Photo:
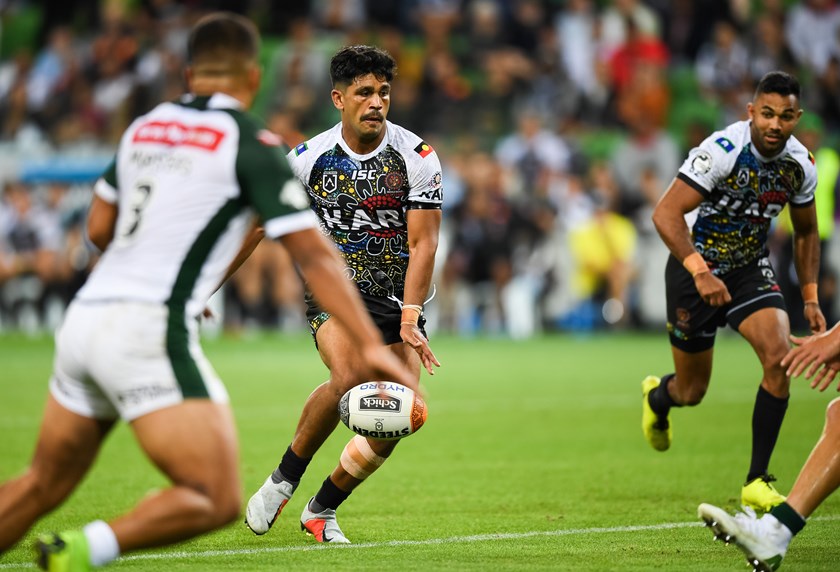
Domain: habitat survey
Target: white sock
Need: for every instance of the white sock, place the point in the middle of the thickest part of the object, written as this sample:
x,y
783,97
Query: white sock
x,y
102,543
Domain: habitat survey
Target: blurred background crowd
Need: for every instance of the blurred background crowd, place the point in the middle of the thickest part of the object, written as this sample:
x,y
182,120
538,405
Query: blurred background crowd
x,y
559,124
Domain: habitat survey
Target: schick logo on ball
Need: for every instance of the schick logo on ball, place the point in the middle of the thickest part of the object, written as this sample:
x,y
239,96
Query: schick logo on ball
x,y
379,403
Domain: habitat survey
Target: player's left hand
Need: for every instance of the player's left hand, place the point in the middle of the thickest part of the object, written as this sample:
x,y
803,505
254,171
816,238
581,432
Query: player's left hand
x,y
816,356
412,335
815,317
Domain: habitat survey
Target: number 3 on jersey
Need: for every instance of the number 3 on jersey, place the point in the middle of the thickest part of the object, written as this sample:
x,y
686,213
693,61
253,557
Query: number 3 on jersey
x,y
137,201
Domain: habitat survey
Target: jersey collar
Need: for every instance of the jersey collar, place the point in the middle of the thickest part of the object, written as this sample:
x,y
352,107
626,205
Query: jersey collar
x,y
382,144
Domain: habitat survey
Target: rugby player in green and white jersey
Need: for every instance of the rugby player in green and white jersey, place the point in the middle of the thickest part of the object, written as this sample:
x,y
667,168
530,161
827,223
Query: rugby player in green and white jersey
x,y
377,190
172,215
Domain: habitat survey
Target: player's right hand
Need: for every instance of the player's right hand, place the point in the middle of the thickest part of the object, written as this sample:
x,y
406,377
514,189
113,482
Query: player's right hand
x,y
712,289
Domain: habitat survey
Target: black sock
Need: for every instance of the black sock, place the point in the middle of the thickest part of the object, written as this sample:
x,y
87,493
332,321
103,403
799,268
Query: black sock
x,y
768,414
291,468
330,496
789,517
660,400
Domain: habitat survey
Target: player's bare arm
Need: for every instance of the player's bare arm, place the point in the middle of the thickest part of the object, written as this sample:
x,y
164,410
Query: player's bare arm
x,y
669,220
816,357
323,270
101,222
806,256
423,230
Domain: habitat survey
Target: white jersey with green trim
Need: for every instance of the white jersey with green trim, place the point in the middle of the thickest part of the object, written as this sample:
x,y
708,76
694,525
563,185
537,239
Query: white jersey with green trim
x,y
187,179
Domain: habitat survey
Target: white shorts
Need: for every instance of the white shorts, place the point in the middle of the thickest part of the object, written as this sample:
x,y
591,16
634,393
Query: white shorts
x,y
127,359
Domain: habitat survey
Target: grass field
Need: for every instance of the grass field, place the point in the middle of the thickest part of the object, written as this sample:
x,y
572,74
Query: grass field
x,y
532,459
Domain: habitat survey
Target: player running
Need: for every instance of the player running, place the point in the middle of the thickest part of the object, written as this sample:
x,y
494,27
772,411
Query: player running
x,y
719,272
377,190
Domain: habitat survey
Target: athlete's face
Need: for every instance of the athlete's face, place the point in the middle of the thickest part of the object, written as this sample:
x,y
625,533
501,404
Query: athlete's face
x,y
364,106
774,117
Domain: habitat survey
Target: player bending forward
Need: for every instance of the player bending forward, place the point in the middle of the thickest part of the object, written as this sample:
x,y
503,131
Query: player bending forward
x,y
377,189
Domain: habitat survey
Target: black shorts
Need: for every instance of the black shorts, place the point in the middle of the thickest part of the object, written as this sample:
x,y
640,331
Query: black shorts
x,y
692,324
386,314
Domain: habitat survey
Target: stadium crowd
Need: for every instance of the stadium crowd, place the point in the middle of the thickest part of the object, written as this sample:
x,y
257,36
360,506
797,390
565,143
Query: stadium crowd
x,y
559,124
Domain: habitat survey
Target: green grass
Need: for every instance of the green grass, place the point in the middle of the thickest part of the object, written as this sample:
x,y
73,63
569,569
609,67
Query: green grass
x,y
532,459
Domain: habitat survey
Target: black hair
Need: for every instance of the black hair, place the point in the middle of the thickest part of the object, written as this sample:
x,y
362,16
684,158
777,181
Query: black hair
x,y
351,62
223,34
779,82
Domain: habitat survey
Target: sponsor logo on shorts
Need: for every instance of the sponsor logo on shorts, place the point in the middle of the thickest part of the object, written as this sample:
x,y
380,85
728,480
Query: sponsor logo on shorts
x,y
143,394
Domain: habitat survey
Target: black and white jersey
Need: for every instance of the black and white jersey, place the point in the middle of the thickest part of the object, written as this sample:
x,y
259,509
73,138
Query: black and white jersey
x,y
187,179
362,200
743,191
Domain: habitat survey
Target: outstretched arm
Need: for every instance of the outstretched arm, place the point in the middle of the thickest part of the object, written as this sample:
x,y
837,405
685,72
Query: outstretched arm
x,y
423,230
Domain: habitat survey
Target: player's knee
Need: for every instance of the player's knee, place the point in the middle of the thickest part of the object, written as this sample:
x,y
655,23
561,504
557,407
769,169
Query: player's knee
x,y
227,506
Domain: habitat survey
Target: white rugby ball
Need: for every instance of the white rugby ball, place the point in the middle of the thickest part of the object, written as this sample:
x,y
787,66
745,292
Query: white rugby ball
x,y
382,410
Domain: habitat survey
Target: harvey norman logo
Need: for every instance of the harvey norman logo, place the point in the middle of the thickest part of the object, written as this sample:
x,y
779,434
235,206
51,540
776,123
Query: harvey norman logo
x,y
173,133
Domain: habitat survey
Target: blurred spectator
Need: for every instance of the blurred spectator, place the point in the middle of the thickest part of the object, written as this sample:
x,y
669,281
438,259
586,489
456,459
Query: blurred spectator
x,y
723,63
532,157
32,236
768,50
617,21
723,70
302,75
812,32
603,247
577,29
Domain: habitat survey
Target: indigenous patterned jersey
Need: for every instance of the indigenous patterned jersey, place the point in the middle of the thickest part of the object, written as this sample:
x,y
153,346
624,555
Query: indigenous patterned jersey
x,y
187,180
362,200
743,191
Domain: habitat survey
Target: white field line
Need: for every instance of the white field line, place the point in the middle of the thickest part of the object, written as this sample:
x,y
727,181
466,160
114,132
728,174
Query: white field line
x,y
428,542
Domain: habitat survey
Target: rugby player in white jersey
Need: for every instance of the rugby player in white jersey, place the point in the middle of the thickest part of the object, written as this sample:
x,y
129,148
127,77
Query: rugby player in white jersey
x,y
719,272
172,213
377,189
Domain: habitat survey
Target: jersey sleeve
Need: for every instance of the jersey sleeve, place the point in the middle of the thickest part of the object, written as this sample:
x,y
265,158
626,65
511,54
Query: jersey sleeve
x,y
106,186
803,196
267,182
424,178
709,163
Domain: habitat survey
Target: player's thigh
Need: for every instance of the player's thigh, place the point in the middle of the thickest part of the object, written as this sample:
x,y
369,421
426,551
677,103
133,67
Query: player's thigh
x,y
194,444
407,355
340,354
66,448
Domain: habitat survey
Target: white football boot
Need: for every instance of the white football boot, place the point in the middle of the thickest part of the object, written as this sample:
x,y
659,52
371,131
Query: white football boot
x,y
267,504
322,525
763,540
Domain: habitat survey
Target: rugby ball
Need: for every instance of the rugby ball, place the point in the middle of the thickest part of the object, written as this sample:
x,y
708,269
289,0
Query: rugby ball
x,y
382,410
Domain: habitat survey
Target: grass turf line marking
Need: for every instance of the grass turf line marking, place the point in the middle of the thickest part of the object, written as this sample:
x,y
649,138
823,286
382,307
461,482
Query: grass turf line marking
x,y
428,542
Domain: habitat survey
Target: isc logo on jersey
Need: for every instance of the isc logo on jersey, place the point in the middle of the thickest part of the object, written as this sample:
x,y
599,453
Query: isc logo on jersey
x,y
364,175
